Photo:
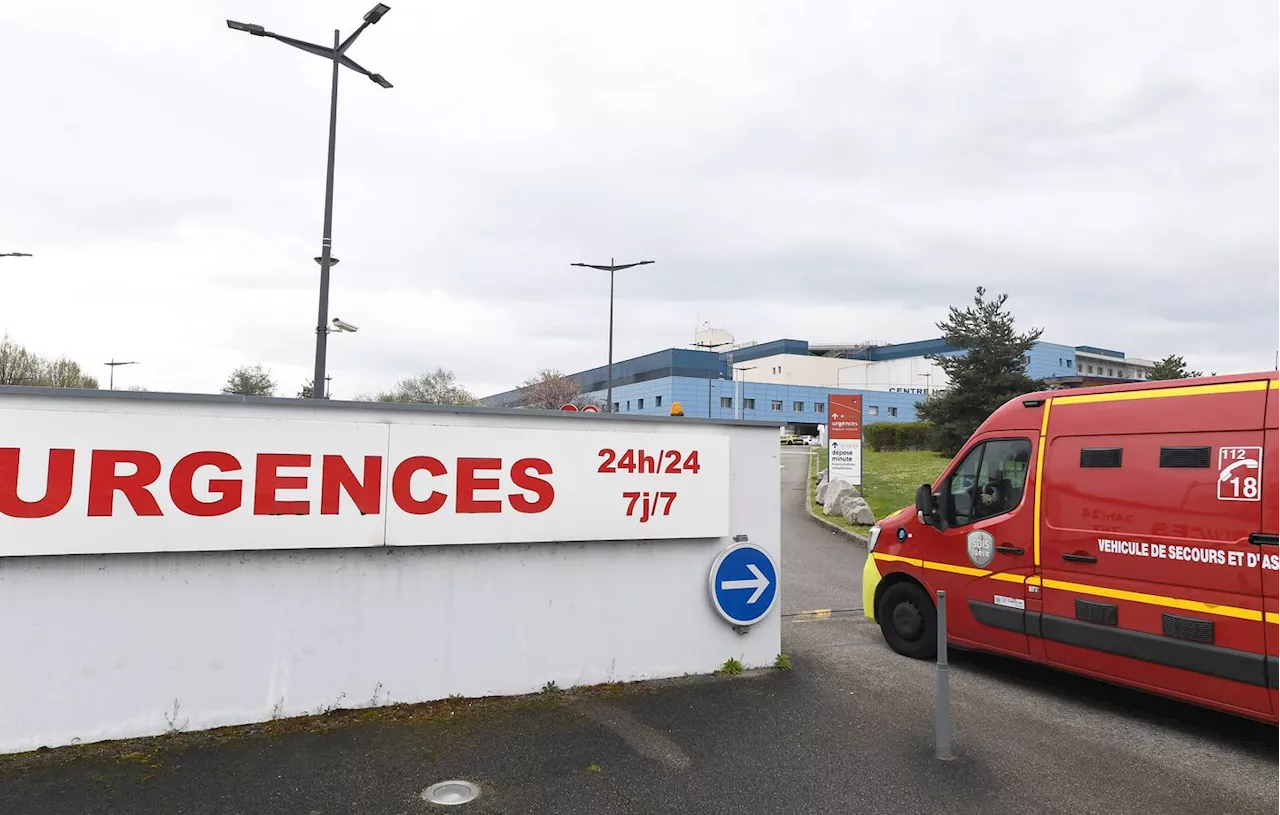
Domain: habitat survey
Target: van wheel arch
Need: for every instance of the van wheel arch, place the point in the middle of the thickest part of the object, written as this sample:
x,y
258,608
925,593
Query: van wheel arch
x,y
894,579
908,617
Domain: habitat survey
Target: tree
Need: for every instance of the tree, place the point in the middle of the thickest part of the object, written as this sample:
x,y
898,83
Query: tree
x,y
250,380
1171,367
992,370
307,389
19,366
549,389
438,387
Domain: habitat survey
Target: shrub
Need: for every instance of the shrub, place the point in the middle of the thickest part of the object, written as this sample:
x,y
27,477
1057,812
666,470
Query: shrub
x,y
880,436
887,436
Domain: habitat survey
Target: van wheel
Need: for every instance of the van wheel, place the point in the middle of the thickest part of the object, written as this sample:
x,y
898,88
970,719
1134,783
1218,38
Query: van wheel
x,y
909,621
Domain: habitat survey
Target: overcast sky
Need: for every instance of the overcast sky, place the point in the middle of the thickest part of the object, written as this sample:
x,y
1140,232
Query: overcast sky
x,y
834,170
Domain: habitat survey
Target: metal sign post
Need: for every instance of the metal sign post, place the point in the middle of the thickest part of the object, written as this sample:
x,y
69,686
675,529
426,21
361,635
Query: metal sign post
x,y
942,727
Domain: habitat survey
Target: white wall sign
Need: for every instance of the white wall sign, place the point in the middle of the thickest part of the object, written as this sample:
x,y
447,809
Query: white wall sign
x,y
76,482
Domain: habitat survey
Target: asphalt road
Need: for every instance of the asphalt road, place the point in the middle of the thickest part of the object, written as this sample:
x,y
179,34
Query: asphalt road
x,y
848,730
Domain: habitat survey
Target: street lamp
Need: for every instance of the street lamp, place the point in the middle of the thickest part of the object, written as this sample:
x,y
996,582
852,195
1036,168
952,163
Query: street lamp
x,y
113,365
338,55
15,255
742,388
611,268
926,384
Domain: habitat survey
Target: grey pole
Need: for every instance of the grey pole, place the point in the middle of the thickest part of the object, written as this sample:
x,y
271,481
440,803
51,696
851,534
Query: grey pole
x,y
611,269
326,241
942,727
609,398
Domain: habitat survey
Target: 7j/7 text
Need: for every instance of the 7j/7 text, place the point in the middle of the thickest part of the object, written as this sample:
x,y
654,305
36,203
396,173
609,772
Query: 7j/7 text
x,y
650,503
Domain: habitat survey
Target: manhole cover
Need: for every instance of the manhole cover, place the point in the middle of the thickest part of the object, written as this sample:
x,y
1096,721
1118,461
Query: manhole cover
x,y
450,793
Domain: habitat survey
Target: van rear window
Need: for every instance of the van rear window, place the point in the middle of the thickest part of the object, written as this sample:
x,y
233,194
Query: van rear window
x,y
1101,456
1184,457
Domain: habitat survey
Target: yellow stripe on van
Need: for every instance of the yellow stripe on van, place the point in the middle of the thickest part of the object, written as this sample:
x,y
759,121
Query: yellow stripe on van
x,y
954,569
1157,600
1192,390
1009,578
1272,617
1035,532
897,559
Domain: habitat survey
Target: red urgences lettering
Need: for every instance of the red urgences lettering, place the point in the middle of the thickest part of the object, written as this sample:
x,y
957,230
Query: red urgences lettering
x,y
210,483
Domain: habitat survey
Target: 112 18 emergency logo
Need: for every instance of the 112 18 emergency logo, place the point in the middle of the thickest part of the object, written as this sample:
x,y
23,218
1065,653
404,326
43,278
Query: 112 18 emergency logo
x,y
1240,474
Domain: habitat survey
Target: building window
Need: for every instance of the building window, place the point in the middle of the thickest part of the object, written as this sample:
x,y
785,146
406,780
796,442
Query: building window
x,y
798,407
873,410
639,404
657,401
1111,372
726,401
748,404
893,411
819,407
628,404
776,404
615,407
1090,369
1068,363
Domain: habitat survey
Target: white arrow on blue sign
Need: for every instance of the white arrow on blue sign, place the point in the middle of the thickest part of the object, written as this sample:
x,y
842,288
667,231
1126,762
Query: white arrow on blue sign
x,y
744,583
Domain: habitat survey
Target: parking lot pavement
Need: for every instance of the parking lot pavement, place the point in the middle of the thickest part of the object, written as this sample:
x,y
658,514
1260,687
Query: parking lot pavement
x,y
848,730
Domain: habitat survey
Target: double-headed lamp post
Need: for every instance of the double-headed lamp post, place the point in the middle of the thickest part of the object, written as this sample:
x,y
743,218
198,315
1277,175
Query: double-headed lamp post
x,y
338,55
611,268
15,254
113,365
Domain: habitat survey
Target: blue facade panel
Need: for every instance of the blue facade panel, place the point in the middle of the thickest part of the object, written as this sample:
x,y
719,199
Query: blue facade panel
x,y
1048,359
760,401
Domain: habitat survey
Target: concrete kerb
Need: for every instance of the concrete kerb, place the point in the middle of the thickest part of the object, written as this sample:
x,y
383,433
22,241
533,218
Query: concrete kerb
x,y
808,508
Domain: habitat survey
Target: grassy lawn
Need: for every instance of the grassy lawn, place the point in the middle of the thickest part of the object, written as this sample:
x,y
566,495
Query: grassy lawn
x,y
889,481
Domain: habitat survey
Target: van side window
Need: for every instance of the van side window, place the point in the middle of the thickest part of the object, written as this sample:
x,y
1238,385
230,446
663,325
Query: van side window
x,y
989,481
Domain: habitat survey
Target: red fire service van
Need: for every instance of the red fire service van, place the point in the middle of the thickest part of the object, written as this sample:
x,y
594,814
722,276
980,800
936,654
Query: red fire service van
x,y
1127,533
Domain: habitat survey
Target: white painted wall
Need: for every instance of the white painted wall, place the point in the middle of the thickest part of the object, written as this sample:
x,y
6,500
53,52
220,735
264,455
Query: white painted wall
x,y
894,374
796,369
107,646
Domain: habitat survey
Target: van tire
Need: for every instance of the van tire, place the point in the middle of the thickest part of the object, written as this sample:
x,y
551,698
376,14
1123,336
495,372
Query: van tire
x,y
909,621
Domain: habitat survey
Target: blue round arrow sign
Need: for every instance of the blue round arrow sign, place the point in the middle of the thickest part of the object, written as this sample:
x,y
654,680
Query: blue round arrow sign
x,y
744,583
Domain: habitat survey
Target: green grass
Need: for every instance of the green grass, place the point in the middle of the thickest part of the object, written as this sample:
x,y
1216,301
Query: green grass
x,y
889,481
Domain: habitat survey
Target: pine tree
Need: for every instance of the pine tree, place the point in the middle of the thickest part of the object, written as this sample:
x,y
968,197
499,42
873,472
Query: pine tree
x,y
992,370
1171,367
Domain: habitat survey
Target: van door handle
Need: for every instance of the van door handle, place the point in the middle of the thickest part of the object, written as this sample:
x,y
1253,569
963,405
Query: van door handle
x,y
1076,557
1006,549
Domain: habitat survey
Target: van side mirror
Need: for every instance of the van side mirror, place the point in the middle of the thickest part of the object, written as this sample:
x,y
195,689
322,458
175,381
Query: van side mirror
x,y
927,506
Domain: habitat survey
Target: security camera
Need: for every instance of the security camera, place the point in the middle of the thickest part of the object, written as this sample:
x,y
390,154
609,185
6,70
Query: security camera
x,y
339,325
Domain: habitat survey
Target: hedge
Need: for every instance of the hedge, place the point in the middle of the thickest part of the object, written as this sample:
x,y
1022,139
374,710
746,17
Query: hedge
x,y
889,436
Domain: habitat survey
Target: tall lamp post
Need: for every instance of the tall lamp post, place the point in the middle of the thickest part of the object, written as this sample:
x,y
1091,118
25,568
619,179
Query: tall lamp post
x,y
926,385
338,55
738,396
113,365
711,374
611,268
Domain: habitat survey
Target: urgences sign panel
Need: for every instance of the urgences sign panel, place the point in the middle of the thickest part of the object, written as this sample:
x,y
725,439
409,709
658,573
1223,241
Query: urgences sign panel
x,y
79,483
